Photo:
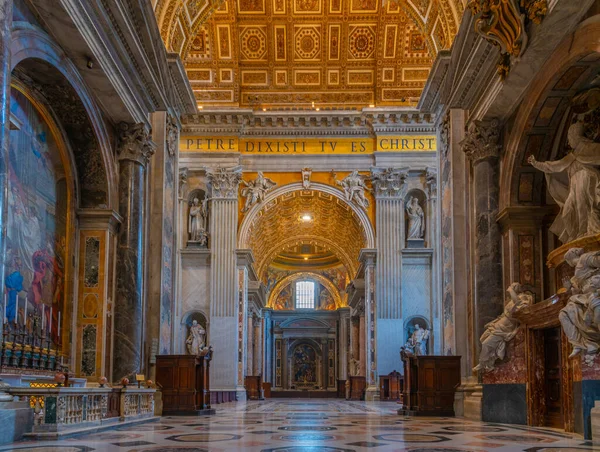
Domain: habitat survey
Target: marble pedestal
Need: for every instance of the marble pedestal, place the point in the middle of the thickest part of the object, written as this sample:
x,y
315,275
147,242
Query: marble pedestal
x,y
473,402
16,419
415,243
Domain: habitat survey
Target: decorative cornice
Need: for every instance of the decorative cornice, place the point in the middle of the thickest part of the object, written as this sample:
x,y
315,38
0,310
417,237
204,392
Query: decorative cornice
x,y
389,182
135,143
224,182
482,141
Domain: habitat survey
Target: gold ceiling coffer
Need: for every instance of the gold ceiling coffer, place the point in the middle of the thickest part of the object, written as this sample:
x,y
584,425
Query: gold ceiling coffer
x,y
502,22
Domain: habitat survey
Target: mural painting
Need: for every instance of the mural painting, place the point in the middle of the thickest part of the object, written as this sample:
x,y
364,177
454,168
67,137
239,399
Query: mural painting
x,y
36,221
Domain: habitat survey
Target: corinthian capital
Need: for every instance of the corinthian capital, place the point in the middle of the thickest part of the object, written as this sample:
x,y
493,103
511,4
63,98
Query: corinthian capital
x,y
135,143
225,182
482,141
389,182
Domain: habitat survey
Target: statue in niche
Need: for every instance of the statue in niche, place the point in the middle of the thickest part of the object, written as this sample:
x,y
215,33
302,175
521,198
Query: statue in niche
x,y
197,222
416,345
580,318
416,223
255,190
354,188
574,180
195,340
503,329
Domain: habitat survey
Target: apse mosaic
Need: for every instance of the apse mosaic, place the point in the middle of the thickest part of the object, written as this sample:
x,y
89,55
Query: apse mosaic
x,y
37,220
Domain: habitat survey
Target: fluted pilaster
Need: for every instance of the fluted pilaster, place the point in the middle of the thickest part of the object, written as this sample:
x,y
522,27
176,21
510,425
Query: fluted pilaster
x,y
367,257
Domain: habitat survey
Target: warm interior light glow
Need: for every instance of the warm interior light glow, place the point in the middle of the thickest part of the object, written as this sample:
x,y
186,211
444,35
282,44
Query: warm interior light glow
x,y
306,217
306,258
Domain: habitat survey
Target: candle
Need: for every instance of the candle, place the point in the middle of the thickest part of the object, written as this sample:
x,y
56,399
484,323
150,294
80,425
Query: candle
x,y
4,319
58,323
25,315
43,316
50,321
16,308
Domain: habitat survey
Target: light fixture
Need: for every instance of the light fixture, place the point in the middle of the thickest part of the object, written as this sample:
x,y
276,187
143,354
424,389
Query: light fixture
x,y
305,258
264,109
306,217
372,106
200,107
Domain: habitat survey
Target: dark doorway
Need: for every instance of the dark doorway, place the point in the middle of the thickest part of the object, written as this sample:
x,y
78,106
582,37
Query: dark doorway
x,y
552,378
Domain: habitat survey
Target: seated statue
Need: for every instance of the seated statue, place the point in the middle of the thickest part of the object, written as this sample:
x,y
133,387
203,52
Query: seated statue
x,y
195,341
580,318
503,329
416,345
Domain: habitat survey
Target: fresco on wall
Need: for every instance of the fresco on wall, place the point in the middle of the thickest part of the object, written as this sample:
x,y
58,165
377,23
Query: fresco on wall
x,y
326,301
305,364
37,219
285,300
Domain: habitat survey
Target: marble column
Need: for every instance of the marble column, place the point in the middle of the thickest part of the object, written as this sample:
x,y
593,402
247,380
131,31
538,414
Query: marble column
x,y
226,284
250,346
361,346
367,259
257,351
481,145
134,150
432,240
389,187
344,344
6,13
268,347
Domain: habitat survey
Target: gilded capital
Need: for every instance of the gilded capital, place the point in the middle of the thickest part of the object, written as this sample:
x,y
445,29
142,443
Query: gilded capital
x,y
225,182
135,143
482,141
389,182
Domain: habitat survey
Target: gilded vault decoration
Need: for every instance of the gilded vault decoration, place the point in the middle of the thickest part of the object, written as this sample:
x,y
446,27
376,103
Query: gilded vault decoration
x,y
272,54
279,224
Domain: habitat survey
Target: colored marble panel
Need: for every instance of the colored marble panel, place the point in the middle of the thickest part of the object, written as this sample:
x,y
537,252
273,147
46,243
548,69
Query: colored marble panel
x,y
88,354
92,259
505,403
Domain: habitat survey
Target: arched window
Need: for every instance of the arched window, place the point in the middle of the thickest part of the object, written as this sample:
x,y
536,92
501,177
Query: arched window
x,y
305,295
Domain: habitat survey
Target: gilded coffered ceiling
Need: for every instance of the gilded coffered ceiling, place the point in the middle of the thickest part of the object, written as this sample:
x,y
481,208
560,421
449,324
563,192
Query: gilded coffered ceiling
x,y
279,54
281,226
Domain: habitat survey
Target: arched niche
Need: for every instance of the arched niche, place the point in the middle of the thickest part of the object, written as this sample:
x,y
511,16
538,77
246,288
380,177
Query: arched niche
x,y
186,322
202,196
410,326
305,364
421,198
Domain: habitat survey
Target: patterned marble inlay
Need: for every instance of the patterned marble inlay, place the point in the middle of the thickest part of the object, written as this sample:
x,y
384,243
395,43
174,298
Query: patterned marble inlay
x,y
328,425
92,259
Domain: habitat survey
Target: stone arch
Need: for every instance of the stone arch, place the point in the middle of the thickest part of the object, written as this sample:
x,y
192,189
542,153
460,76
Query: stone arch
x,y
44,68
520,183
290,279
244,232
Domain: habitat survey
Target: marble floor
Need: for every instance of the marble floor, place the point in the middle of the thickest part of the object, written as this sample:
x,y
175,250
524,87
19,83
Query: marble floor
x,y
314,426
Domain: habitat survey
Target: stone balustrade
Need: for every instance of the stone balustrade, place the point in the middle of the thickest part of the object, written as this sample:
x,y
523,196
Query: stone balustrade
x,y
62,410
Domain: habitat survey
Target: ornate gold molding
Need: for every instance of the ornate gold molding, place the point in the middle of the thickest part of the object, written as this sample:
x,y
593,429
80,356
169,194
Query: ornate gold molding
x,y
502,22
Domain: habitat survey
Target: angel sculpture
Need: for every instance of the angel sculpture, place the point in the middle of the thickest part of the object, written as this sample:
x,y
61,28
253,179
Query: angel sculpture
x,y
255,190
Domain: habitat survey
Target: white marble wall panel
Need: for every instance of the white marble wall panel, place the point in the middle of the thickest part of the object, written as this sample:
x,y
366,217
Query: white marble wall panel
x,y
224,363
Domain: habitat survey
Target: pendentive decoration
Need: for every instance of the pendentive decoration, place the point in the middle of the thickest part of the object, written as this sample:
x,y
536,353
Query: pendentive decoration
x,y
224,182
354,188
482,141
502,22
503,329
255,190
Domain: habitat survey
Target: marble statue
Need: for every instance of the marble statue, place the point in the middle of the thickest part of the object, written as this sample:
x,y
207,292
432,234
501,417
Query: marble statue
x,y
354,188
416,344
574,183
197,222
503,329
195,340
255,190
580,318
416,223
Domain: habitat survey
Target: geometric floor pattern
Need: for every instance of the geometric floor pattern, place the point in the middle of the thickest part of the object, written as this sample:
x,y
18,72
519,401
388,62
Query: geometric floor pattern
x,y
314,426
